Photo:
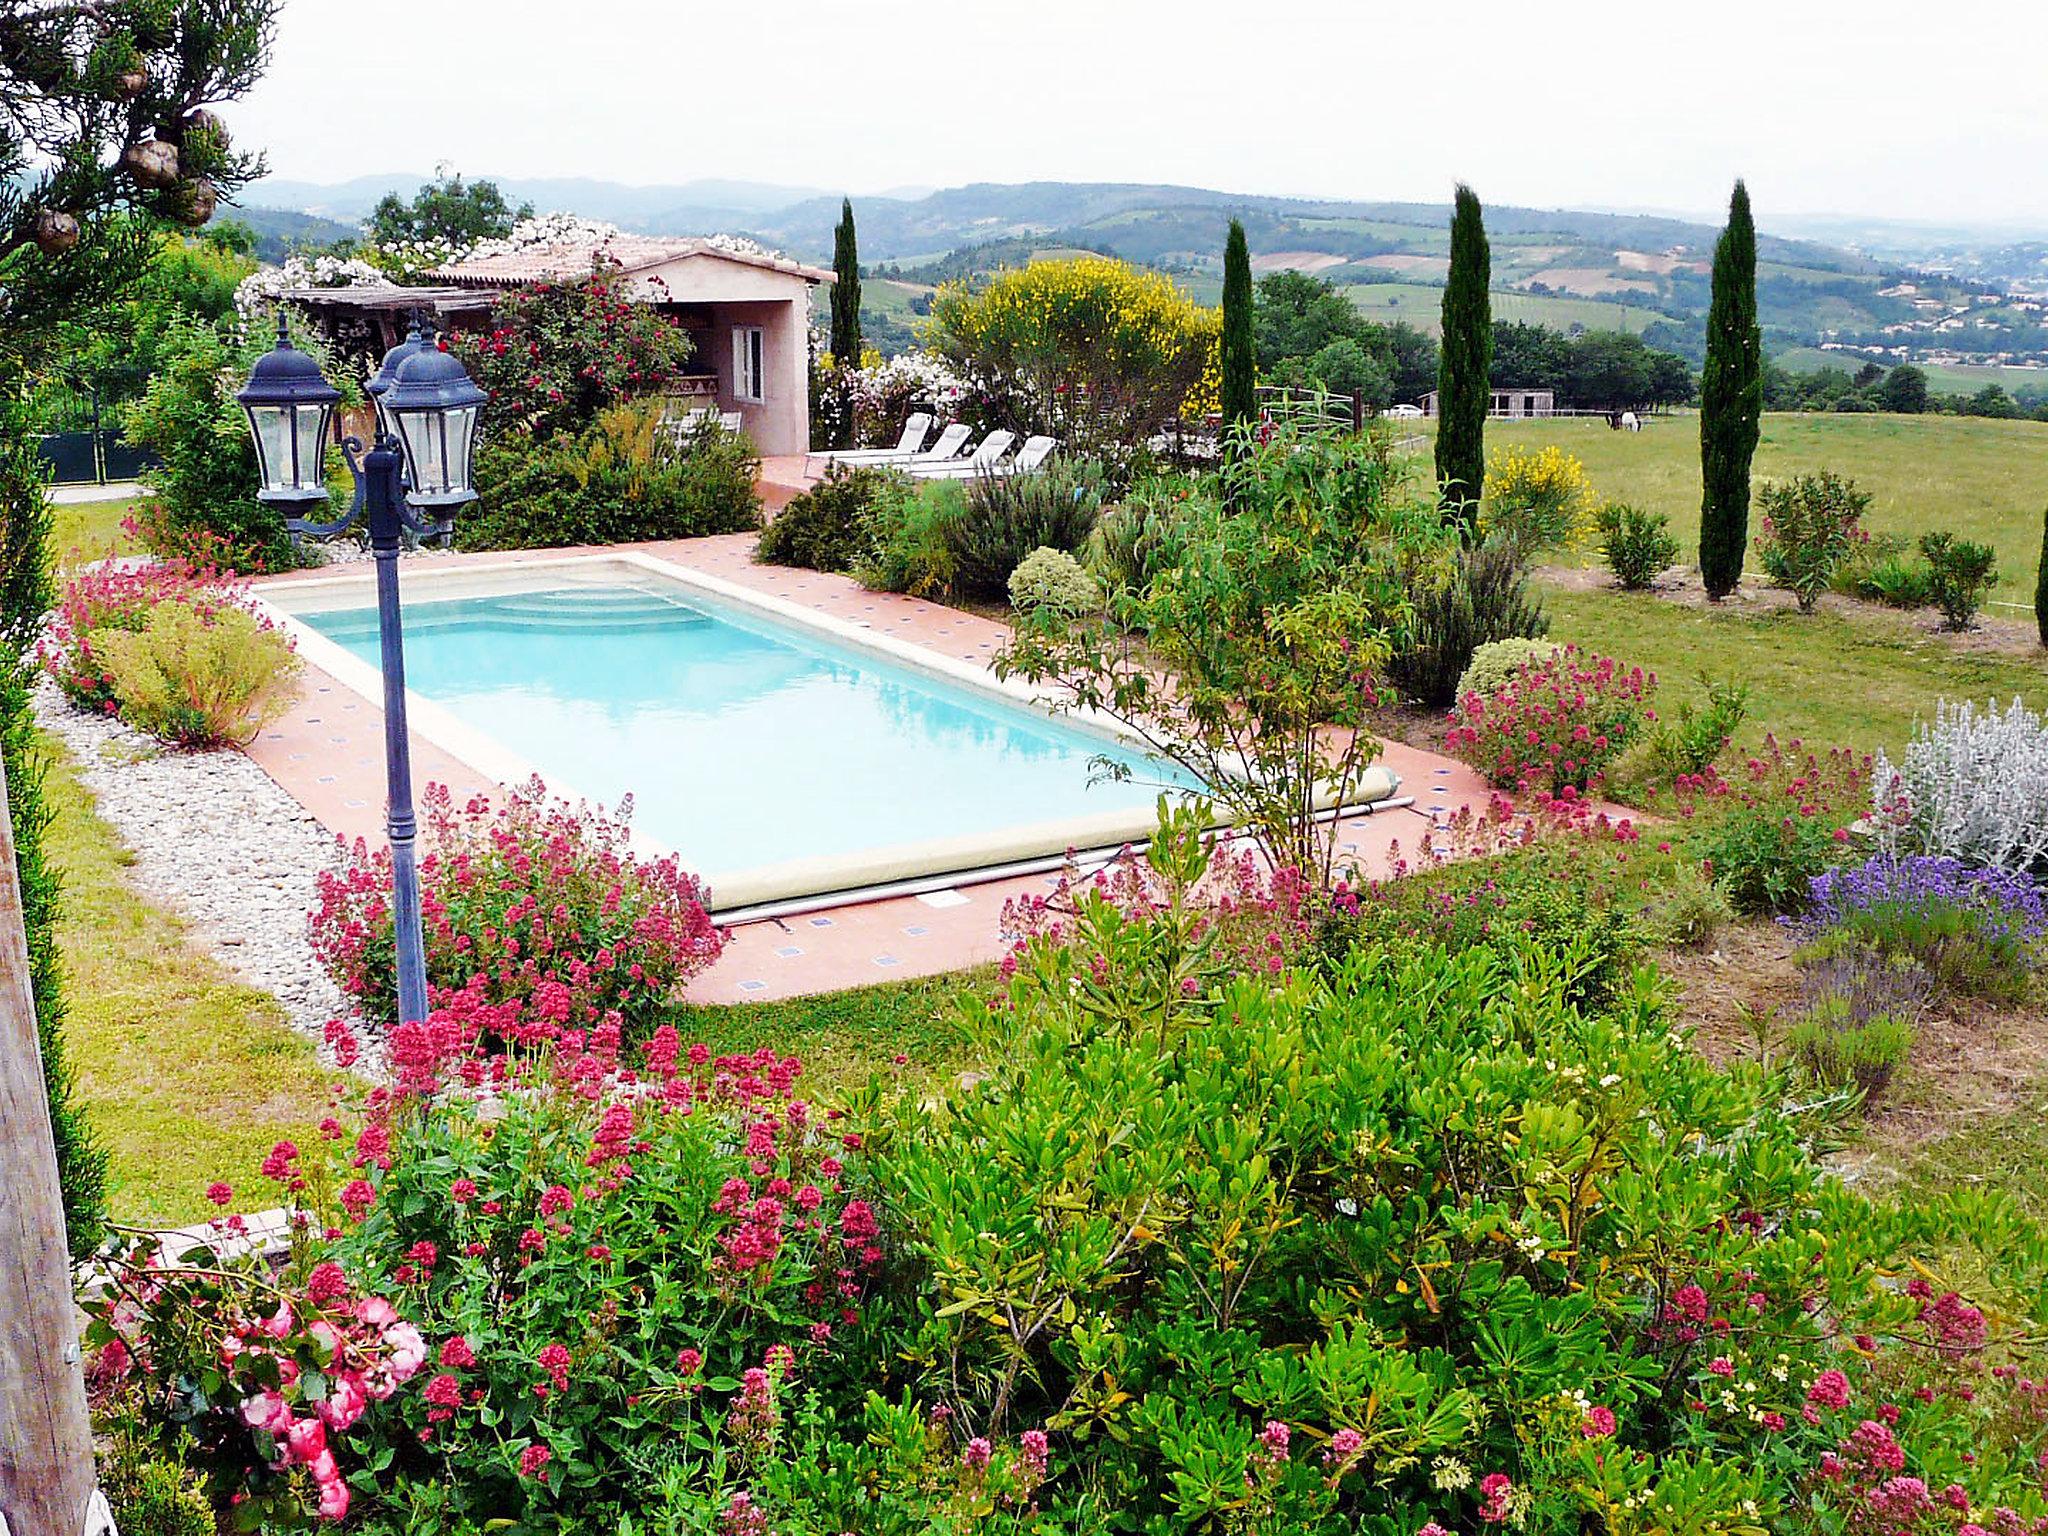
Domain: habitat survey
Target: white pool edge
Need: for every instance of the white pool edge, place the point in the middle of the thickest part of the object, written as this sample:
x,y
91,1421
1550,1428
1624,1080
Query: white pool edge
x,y
733,890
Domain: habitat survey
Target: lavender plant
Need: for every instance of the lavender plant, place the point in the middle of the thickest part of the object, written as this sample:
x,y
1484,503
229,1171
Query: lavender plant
x,y
1977,932
1970,786
1860,1011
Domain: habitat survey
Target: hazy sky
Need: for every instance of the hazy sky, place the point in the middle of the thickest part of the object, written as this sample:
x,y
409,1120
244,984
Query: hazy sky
x,y
1900,110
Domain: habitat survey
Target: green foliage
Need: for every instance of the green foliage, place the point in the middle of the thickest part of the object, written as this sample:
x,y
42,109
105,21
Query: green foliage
x,y
25,595
1464,380
203,499
829,527
1310,333
1881,569
1765,855
199,680
1459,600
1693,736
1598,370
1140,536
908,547
1052,578
1009,516
151,1493
1811,524
1904,390
1240,401
626,477
1638,545
446,211
1731,402
1960,575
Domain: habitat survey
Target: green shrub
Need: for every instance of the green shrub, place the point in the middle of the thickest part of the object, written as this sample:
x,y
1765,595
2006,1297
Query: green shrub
x,y
1477,595
1686,909
1882,570
1765,857
907,547
1052,578
151,1493
1692,736
198,680
1499,662
626,478
1638,545
1960,574
1008,516
829,527
1838,1052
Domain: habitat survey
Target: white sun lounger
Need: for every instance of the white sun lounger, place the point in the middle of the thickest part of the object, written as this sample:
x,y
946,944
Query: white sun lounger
x,y
917,427
984,457
1035,452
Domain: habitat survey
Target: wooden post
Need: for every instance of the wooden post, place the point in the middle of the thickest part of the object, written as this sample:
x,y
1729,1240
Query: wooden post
x,y
46,1467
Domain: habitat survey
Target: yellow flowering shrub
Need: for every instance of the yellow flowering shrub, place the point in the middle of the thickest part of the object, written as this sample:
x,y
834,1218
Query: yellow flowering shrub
x,y
1092,349
1538,500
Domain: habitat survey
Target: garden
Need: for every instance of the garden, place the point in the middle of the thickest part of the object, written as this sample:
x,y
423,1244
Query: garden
x,y
1594,1165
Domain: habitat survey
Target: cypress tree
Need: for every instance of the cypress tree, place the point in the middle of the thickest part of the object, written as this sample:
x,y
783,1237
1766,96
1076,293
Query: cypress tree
x,y
25,593
845,306
1240,350
1464,388
2041,584
1731,402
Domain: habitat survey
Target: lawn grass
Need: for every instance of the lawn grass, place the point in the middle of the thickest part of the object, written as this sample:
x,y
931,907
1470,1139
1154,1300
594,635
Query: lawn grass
x,y
844,1037
1827,678
185,1074
90,527
1981,479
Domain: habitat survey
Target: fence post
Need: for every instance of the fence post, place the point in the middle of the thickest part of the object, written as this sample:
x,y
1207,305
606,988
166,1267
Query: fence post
x,y
99,446
46,1466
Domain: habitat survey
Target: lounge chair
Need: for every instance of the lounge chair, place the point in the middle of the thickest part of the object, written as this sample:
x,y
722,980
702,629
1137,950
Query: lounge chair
x,y
917,427
1032,455
732,421
984,457
945,450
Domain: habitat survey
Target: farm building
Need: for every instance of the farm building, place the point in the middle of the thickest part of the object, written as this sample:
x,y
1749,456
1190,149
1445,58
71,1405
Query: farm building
x,y
1509,403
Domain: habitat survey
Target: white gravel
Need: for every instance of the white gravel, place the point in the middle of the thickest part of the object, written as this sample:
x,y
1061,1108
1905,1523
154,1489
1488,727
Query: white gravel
x,y
218,841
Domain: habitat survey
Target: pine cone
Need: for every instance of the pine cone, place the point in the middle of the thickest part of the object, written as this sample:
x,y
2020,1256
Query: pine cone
x,y
153,163
55,232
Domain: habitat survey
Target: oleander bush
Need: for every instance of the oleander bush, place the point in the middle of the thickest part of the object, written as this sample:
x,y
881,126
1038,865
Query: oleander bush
x,y
1882,569
1557,724
539,920
1637,545
199,680
830,526
1052,578
1009,516
1970,785
1806,528
1960,575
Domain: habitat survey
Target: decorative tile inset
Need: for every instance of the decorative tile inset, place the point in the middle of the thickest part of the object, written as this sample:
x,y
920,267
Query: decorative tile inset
x,y
886,960
821,922
788,952
917,930
753,986
943,899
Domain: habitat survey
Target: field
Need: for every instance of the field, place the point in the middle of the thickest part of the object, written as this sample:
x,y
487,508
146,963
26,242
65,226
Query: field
x,y
1422,306
1983,479
1942,378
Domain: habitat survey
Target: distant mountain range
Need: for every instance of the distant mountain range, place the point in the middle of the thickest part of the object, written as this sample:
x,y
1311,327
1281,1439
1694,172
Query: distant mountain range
x,y
1643,272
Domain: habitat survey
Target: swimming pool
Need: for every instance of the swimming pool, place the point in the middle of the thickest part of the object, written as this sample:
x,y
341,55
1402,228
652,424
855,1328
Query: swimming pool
x,y
775,753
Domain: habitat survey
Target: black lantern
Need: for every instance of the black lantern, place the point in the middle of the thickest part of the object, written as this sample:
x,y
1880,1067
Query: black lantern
x,y
387,372
289,406
432,408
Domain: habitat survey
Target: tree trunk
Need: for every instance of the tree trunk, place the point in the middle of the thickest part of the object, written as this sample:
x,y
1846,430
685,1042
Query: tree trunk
x,y
46,1466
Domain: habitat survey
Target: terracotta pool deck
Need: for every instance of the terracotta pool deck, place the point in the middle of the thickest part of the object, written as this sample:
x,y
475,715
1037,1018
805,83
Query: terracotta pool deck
x,y
327,753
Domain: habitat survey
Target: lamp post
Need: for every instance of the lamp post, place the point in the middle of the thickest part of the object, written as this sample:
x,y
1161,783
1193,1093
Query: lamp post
x,y
416,473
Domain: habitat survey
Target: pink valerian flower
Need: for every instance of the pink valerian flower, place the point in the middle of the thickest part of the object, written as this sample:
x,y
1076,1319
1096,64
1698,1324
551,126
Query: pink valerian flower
x,y
1598,1423
1830,1389
533,1461
456,1353
1496,1495
219,1193
554,1362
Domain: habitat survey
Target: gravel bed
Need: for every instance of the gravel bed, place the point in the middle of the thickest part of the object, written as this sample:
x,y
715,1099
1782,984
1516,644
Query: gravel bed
x,y
219,842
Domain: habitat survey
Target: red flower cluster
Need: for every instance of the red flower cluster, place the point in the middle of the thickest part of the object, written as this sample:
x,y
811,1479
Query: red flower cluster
x,y
1557,725
109,597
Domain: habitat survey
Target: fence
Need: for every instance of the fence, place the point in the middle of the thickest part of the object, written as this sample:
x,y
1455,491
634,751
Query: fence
x,y
1310,410
76,442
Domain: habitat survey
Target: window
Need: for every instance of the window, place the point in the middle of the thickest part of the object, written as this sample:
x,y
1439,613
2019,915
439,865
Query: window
x,y
748,376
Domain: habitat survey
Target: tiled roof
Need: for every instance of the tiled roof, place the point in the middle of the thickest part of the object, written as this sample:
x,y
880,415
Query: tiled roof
x,y
633,253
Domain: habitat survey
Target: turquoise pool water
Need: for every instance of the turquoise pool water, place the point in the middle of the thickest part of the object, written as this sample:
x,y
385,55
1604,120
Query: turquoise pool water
x,y
743,742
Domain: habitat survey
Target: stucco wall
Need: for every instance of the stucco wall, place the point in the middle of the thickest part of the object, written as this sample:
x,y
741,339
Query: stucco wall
x,y
780,423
